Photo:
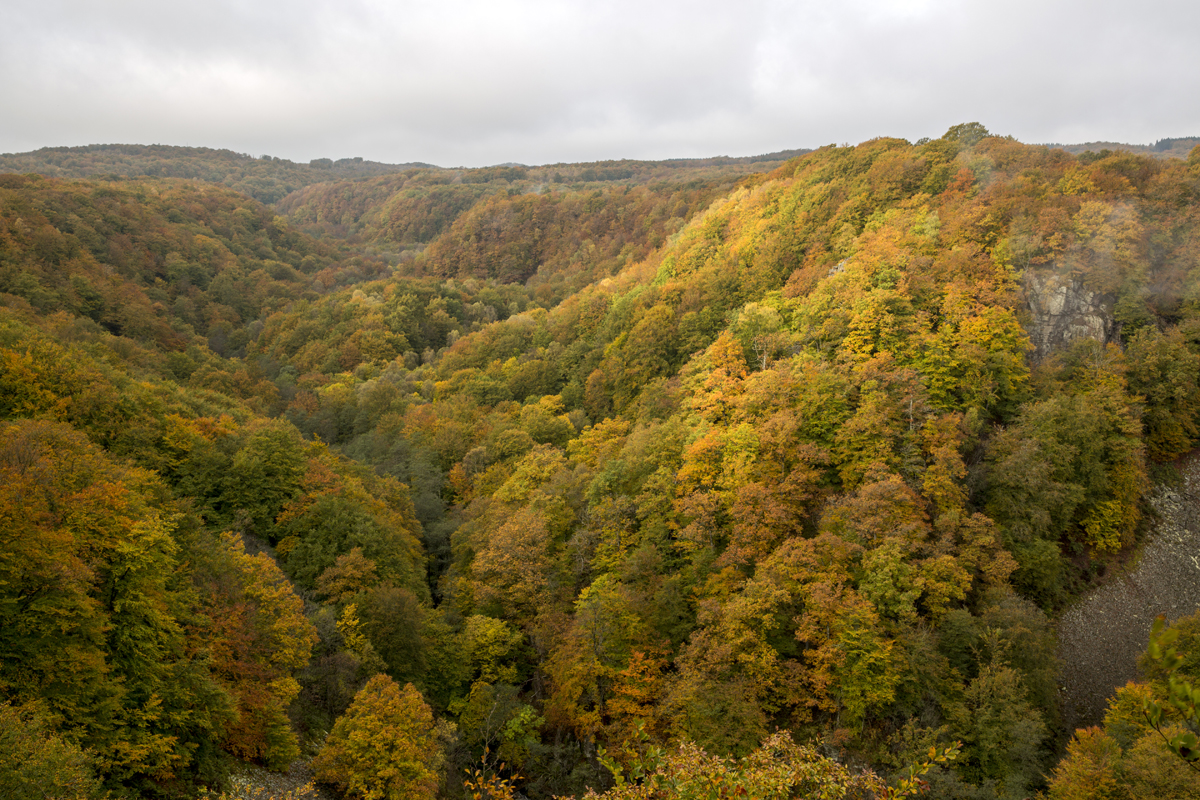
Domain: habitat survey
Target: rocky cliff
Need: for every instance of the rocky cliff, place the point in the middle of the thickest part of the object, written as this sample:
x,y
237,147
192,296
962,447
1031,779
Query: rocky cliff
x,y
1062,310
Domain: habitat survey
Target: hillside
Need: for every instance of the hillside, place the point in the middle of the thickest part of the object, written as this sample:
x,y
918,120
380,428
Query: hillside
x,y
266,178
513,230
486,464
1163,148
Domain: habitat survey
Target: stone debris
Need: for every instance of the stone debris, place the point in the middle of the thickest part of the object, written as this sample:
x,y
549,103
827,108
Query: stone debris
x,y
1101,638
250,782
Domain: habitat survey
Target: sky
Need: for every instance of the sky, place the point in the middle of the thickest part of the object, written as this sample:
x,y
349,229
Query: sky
x,y
482,82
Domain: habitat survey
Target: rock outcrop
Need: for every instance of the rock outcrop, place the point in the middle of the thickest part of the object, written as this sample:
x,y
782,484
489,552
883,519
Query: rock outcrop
x,y
1062,311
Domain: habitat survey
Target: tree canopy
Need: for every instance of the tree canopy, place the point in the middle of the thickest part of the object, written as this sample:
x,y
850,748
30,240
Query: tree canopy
x,y
541,470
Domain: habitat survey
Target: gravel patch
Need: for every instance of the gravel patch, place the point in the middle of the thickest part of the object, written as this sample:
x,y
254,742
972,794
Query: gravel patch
x,y
1102,636
251,782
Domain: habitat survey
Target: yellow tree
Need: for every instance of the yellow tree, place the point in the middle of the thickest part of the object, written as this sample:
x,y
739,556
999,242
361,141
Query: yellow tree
x,y
385,747
1091,769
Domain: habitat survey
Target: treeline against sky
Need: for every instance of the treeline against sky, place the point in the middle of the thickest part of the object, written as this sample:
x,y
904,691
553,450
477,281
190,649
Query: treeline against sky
x,y
268,178
265,178
584,468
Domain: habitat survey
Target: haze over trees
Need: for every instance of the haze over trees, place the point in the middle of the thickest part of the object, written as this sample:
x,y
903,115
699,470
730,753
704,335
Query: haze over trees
x,y
583,476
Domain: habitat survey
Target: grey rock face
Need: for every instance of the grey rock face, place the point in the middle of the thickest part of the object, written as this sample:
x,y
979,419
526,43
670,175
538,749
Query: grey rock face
x,y
1062,310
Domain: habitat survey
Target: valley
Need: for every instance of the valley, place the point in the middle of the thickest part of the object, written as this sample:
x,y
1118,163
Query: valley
x,y
570,477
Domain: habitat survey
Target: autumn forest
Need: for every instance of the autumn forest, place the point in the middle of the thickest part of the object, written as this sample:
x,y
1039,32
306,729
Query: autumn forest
x,y
759,477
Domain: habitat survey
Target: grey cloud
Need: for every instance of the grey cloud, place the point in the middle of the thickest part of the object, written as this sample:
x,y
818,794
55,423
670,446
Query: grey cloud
x,y
474,82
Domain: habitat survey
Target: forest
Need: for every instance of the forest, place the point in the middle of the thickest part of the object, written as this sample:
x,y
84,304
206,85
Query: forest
x,y
754,477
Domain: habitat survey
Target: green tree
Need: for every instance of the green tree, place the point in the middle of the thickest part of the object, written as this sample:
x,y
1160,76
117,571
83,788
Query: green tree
x,y
1001,732
968,134
90,616
1163,369
1181,695
392,621
37,763
264,475
1153,772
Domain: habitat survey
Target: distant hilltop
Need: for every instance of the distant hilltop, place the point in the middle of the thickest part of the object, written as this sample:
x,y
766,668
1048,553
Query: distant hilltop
x,y
269,179
265,178
1163,148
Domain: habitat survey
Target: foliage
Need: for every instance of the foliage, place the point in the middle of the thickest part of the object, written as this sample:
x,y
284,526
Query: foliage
x,y
1181,695
385,747
778,768
1147,747
35,762
1090,770
267,179
483,784
160,262
263,639
91,621
586,453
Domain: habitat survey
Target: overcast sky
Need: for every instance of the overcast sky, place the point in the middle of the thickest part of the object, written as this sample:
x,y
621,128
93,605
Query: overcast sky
x,y
479,82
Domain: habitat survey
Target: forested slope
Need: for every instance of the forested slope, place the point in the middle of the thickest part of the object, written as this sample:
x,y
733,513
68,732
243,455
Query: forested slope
x,y
265,178
820,451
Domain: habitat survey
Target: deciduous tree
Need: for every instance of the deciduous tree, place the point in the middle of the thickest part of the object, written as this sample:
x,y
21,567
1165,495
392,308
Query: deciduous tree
x,y
385,747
